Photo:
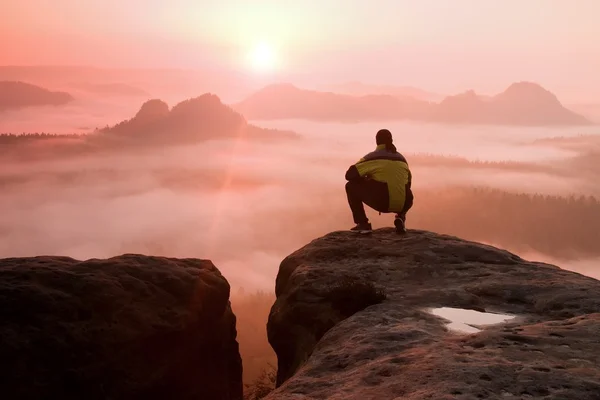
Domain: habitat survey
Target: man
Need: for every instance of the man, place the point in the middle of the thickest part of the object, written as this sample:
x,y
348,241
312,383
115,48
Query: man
x,y
381,180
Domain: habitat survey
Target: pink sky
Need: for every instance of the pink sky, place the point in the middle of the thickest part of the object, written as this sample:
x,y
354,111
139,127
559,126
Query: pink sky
x,y
440,45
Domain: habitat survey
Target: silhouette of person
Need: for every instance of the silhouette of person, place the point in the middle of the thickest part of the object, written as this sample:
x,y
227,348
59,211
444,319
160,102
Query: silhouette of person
x,y
381,180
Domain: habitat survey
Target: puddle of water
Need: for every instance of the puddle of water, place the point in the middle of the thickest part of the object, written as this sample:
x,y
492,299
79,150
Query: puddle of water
x,y
464,321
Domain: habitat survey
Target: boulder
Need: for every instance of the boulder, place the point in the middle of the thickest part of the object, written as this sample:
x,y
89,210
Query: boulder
x,y
129,327
356,318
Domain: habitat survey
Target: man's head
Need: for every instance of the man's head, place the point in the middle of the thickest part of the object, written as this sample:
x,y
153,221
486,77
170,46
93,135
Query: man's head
x,y
384,137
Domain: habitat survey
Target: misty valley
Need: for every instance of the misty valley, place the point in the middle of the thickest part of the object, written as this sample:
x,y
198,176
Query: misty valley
x,y
200,180
265,187
299,200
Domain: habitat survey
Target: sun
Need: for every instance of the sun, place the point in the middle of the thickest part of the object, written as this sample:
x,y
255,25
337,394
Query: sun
x,y
263,57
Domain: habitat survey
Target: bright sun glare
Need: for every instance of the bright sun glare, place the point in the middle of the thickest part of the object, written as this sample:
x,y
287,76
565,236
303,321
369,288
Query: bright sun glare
x,y
263,57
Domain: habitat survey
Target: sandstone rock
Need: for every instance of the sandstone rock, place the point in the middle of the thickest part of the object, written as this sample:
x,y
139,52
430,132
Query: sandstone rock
x,y
129,327
397,349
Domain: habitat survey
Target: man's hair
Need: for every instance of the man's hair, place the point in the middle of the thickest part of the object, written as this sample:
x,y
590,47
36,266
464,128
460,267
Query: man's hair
x,y
384,136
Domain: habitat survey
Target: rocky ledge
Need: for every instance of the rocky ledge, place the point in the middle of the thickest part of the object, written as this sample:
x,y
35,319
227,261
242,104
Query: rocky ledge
x,y
129,327
354,319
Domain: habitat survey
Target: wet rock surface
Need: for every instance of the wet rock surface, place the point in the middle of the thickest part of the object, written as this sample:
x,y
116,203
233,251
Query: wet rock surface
x,y
396,349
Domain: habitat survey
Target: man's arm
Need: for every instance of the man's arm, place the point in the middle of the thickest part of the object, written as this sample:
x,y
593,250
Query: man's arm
x,y
352,173
360,170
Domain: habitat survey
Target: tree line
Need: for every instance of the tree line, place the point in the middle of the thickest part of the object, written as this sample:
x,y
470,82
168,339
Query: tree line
x,y
560,226
6,138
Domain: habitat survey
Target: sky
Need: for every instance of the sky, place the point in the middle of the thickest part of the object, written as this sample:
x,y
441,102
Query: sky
x,y
440,45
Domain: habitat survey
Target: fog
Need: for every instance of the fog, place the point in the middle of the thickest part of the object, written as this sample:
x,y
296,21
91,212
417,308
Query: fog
x,y
83,115
485,142
246,205
200,182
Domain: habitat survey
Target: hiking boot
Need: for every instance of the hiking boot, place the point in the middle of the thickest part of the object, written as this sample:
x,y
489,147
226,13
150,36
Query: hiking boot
x,y
399,223
362,228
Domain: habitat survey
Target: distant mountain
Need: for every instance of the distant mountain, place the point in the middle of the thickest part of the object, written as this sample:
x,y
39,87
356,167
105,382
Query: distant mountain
x,y
523,103
15,95
286,101
114,89
362,89
201,118
172,83
152,128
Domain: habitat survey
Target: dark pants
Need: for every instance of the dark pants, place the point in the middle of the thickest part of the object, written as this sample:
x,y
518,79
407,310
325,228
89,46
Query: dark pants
x,y
374,194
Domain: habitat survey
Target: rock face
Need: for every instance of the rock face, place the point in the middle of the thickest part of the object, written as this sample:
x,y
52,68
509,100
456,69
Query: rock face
x,y
129,327
395,348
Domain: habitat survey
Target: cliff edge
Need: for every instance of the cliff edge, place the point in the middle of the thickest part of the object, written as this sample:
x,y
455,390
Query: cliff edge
x,y
128,327
358,317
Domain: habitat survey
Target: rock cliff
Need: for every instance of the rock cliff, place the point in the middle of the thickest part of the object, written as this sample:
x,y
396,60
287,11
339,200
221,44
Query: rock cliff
x,y
129,327
354,319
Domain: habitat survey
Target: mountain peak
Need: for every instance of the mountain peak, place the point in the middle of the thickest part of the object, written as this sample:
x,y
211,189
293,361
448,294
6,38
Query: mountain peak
x,y
208,102
196,119
152,109
530,91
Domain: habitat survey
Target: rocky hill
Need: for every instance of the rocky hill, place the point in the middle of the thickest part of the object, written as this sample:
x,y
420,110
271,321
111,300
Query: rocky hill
x,y
15,95
522,103
201,118
129,327
357,317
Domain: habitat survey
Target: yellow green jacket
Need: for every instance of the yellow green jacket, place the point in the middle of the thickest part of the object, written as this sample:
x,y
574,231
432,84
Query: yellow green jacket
x,y
385,166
